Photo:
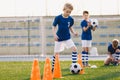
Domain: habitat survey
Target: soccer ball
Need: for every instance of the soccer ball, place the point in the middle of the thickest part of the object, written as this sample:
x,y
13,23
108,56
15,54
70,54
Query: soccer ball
x,y
75,68
94,22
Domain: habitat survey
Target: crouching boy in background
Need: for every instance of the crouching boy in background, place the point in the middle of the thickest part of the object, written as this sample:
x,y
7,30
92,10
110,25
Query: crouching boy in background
x,y
113,53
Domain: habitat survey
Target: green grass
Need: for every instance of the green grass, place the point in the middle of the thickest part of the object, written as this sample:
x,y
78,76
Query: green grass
x,y
22,71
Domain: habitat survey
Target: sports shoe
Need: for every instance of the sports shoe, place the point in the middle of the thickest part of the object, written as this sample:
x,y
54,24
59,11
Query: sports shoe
x,y
115,63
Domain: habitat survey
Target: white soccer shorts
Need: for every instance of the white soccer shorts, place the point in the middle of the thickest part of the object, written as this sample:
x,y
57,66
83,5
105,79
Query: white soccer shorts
x,y
86,43
60,46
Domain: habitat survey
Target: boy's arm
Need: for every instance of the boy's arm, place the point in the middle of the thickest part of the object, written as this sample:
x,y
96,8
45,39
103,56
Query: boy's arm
x,y
54,29
86,28
73,32
117,50
94,28
109,53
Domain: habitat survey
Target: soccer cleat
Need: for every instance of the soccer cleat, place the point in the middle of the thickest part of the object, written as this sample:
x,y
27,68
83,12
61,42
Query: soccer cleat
x,y
115,63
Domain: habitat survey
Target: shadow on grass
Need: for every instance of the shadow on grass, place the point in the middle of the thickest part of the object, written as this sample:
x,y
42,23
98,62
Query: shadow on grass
x,y
66,69
103,76
108,66
68,73
109,76
29,78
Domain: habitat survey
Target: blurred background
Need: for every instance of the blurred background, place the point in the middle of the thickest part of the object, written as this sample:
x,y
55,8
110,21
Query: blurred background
x,y
26,25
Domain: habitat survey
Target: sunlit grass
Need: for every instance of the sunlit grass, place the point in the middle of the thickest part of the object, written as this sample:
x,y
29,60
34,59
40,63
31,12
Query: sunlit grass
x,y
22,71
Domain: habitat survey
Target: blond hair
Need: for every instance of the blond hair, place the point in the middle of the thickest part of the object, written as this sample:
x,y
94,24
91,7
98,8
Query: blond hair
x,y
115,40
68,5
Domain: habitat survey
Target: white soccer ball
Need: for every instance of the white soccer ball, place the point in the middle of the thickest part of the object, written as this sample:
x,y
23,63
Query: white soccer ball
x,y
94,22
75,68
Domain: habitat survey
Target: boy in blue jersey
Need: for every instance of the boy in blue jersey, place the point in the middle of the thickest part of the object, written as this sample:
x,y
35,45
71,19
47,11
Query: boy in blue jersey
x,y
113,53
86,37
64,23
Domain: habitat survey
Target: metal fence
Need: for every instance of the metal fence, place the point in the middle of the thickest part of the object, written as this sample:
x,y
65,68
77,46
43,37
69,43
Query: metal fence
x,y
33,35
20,35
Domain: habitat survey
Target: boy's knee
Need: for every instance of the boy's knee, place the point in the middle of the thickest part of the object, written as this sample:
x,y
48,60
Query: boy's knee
x,y
74,48
107,61
87,49
84,48
57,53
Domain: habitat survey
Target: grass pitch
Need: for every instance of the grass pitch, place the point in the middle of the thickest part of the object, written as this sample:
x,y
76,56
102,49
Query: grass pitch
x,y
22,71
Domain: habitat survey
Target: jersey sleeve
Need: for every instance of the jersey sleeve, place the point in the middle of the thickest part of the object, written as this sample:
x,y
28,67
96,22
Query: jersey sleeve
x,y
109,49
55,22
82,24
118,47
72,22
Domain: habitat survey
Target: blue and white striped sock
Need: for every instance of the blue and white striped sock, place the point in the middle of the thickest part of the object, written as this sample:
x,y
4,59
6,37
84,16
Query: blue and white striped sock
x,y
117,55
83,57
74,57
53,62
86,58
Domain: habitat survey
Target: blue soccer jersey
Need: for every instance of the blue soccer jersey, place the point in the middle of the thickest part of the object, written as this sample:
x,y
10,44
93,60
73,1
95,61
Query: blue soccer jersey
x,y
64,24
86,35
111,49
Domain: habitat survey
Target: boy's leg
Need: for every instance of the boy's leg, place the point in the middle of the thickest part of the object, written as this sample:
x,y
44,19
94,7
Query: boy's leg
x,y
74,54
70,44
83,57
53,61
86,58
59,46
83,52
113,59
88,45
117,56
110,60
107,61
85,44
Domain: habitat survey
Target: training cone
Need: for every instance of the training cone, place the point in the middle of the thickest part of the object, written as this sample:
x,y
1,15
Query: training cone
x,y
47,70
35,74
57,69
80,62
